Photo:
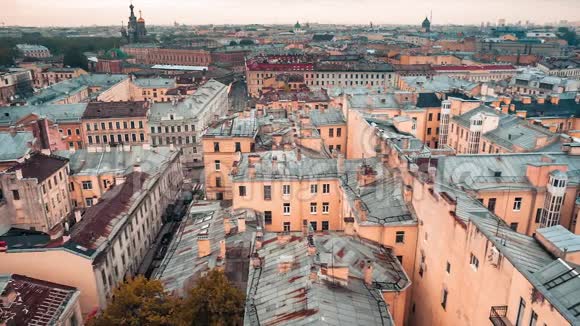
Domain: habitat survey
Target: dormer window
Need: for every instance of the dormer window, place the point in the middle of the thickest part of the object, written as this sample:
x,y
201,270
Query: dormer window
x,y
497,174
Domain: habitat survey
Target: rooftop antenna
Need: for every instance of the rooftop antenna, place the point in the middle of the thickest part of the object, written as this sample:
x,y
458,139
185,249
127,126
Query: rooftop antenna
x,y
431,16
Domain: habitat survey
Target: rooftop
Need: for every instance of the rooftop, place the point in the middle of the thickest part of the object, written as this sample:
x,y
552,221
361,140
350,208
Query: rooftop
x,y
59,113
327,117
234,127
29,301
293,296
110,110
438,83
117,161
155,82
39,166
301,96
100,220
473,67
15,147
564,108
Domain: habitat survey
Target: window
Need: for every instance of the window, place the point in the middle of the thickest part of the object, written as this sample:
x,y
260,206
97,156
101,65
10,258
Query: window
x,y
88,125
326,188
238,147
313,189
217,165
533,318
517,203
474,262
286,208
428,131
491,204
514,226
338,132
242,190
325,208
87,185
286,189
330,132
286,226
218,182
15,195
216,146
268,217
324,225
103,126
400,259
539,215
132,124
90,139
267,192
430,117
444,299
400,237
89,202
314,225
338,148
521,311
448,268
313,208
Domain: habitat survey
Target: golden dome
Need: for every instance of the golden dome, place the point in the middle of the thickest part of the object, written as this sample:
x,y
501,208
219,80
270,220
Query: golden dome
x,y
140,20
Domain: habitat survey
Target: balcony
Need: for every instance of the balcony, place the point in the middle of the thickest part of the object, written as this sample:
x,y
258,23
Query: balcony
x,y
498,316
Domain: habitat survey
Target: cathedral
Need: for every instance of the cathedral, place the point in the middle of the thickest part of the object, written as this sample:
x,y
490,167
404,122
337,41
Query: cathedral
x,y
135,31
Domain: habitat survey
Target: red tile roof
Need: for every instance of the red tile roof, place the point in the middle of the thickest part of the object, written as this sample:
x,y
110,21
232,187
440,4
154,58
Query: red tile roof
x,y
474,67
40,166
36,302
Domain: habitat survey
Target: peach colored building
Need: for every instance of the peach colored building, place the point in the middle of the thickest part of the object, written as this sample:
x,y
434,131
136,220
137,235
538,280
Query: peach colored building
x,y
222,145
108,243
52,76
488,272
152,89
407,59
113,123
35,194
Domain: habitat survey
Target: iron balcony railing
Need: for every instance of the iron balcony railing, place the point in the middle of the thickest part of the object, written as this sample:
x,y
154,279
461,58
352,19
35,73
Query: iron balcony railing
x,y
498,316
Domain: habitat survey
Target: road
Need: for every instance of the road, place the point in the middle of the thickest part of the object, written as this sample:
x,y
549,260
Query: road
x,y
238,96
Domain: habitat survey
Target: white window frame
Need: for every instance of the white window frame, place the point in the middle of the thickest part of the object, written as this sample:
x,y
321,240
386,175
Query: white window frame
x,y
517,204
286,208
286,190
313,208
326,188
325,208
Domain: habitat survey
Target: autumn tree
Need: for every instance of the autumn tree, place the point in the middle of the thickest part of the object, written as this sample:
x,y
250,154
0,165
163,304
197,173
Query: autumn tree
x,y
213,301
138,302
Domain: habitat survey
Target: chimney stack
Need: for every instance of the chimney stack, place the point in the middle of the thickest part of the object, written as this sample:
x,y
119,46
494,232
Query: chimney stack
x,y
203,246
222,249
368,273
241,224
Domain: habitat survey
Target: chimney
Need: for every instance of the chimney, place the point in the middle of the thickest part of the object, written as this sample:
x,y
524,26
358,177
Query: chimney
x,y
222,249
541,100
408,193
285,263
259,238
340,164
241,224
368,273
504,108
120,179
274,164
298,154
277,140
555,99
12,131
313,274
137,168
526,100
227,225
360,209
254,158
203,247
251,171
311,248
512,107
78,216
256,260
365,175
18,174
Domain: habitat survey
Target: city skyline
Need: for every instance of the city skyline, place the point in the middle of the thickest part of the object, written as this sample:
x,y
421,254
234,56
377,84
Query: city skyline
x,y
109,12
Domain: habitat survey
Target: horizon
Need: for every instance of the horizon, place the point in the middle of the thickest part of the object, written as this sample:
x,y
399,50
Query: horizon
x,y
69,13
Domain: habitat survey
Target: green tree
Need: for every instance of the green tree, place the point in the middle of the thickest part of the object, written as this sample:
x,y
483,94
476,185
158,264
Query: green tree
x,y
233,43
138,302
213,301
74,57
569,35
246,42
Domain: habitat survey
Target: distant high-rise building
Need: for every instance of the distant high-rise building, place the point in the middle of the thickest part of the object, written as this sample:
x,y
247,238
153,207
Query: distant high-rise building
x,y
136,30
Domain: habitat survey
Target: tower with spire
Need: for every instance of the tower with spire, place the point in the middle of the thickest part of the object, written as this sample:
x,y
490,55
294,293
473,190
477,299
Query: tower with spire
x,y
136,30
426,25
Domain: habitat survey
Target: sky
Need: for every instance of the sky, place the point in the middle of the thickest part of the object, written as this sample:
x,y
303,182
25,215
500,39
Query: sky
x,y
194,12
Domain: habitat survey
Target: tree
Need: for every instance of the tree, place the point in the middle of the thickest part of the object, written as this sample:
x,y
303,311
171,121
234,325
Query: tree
x,y
246,42
138,302
569,35
233,43
213,301
74,57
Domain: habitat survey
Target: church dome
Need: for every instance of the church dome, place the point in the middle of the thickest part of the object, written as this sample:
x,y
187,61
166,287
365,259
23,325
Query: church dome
x,y
140,20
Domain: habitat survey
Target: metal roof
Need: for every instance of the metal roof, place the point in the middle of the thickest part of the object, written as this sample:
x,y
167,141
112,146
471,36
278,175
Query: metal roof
x,y
15,146
292,297
561,237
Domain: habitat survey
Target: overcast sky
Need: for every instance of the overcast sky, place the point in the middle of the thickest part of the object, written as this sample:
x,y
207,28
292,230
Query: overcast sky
x,y
109,12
